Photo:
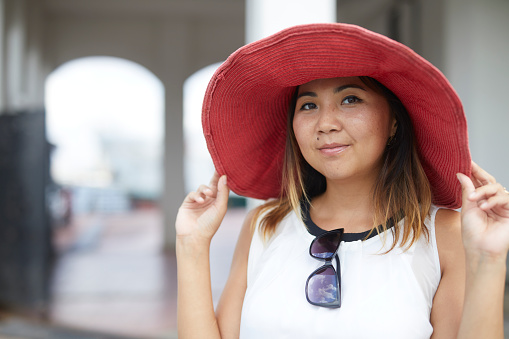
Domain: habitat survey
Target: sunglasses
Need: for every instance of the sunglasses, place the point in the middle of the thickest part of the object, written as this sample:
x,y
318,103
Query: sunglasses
x,y
323,287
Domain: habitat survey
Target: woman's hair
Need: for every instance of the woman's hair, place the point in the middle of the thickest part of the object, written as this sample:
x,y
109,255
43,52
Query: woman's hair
x,y
401,189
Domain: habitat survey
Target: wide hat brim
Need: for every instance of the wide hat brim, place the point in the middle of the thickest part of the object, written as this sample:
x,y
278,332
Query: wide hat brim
x,y
246,104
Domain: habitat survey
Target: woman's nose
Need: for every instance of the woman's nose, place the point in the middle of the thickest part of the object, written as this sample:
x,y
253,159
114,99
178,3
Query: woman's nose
x,y
329,120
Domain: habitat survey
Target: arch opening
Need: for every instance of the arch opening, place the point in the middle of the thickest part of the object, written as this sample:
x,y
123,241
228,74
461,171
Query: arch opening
x,y
105,120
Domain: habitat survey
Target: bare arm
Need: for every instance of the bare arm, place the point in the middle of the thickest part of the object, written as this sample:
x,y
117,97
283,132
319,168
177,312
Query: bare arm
x,y
469,300
197,222
485,231
198,219
449,298
229,308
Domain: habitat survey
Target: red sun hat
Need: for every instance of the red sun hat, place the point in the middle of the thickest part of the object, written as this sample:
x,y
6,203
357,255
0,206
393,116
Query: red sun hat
x,y
246,104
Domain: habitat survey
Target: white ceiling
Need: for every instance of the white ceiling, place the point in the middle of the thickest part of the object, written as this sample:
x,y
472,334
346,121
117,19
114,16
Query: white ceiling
x,y
170,8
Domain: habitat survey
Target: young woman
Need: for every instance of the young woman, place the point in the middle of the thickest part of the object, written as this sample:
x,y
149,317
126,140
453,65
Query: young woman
x,y
361,147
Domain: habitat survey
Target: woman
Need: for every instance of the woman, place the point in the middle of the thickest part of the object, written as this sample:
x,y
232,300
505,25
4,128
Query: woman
x,y
373,144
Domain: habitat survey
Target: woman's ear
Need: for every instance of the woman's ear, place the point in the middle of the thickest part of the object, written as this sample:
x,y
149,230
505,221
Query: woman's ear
x,y
394,127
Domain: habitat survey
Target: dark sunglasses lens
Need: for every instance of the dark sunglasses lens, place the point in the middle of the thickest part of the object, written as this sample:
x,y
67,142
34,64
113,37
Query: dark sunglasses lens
x,y
322,287
325,246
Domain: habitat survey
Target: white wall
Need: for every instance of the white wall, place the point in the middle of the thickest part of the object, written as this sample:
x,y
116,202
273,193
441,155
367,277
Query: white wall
x,y
476,50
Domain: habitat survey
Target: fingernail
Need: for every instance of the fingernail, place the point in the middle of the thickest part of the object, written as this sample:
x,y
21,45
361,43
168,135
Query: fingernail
x,y
460,179
472,195
223,180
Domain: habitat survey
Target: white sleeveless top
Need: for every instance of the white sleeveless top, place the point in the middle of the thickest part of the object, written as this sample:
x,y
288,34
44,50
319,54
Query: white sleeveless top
x,y
383,295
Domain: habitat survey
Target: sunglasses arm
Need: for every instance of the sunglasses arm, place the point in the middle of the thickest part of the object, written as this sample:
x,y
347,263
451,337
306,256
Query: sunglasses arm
x,y
338,276
338,269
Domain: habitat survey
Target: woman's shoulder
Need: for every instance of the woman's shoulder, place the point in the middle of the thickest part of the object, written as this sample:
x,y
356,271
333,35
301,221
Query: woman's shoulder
x,y
446,217
447,226
448,236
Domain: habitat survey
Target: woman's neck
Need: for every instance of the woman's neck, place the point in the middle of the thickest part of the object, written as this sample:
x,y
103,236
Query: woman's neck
x,y
347,204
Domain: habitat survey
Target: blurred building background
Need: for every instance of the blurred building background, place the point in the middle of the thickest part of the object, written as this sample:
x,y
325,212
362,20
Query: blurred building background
x,y
69,240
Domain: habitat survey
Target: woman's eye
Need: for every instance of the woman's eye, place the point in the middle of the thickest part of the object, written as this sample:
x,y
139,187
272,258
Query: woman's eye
x,y
308,106
351,99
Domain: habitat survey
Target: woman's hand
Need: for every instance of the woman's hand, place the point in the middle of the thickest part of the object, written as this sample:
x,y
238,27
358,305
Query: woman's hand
x,y
202,211
484,214
198,219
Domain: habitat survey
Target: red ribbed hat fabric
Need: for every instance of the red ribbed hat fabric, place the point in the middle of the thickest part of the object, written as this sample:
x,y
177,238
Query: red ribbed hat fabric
x,y
246,104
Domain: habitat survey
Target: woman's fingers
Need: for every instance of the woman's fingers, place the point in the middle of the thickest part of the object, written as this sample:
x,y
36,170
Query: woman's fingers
x,y
498,200
200,194
195,197
203,210
485,192
204,191
214,180
207,191
467,188
480,177
222,192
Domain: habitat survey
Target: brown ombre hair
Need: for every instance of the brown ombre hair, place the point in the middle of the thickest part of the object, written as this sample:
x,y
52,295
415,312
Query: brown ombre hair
x,y
401,187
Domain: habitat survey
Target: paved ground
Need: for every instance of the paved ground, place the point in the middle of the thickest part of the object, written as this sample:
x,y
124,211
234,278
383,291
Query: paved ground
x,y
15,328
113,276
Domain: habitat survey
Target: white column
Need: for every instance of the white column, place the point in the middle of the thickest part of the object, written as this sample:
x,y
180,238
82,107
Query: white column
x,y
173,49
3,82
15,54
36,73
265,17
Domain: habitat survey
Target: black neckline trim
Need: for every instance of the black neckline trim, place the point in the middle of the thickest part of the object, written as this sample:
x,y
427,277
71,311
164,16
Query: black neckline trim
x,y
316,230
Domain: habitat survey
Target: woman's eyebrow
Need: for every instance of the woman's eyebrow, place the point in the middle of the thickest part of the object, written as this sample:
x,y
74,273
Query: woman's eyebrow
x,y
342,88
336,90
307,94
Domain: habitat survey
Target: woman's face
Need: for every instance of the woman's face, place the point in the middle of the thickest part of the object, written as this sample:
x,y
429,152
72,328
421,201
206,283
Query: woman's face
x,y
342,127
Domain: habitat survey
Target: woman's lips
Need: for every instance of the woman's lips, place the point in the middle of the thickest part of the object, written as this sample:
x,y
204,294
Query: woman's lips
x,y
332,149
